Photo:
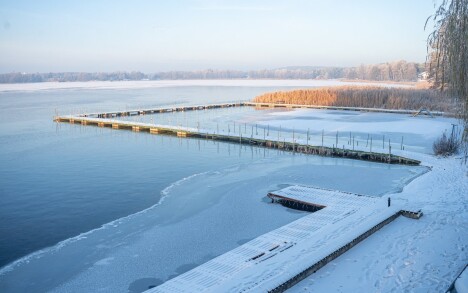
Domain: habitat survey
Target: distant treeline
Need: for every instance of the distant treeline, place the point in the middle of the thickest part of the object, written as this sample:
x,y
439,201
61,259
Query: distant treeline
x,y
394,71
366,97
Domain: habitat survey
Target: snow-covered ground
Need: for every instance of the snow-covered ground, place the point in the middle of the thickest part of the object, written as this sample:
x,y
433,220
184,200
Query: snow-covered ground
x,y
408,255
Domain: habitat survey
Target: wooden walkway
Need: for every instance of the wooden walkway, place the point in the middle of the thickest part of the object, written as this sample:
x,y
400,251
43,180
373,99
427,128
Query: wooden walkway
x,y
136,112
106,120
161,110
277,260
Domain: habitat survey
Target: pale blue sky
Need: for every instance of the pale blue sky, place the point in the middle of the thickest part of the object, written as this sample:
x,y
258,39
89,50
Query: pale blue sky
x,y
151,36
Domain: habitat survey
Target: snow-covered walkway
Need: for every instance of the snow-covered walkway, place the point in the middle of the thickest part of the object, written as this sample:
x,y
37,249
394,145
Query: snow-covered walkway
x,y
273,258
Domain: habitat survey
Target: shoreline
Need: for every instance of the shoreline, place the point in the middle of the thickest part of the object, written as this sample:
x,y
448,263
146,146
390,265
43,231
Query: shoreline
x,y
146,84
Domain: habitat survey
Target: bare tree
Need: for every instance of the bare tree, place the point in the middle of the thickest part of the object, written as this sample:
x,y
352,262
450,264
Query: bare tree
x,y
448,56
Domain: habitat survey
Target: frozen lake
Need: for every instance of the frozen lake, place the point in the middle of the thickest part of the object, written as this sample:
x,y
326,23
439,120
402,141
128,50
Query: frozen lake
x,y
169,203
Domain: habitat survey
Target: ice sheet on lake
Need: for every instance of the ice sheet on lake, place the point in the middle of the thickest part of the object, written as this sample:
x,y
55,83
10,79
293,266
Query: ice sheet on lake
x,y
201,217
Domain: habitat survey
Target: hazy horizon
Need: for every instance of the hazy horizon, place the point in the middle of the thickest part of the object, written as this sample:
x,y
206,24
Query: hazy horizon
x,y
146,36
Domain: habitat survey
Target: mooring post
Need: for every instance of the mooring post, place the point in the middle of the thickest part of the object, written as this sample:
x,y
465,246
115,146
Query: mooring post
x,y
268,132
256,129
293,144
401,145
371,144
349,141
353,142
322,138
278,140
383,141
307,136
389,153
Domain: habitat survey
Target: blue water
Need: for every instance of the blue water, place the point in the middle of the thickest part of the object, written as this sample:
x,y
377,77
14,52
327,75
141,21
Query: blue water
x,y
60,180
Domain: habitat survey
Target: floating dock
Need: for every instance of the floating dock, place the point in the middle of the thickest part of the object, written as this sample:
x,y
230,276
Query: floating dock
x,y
277,260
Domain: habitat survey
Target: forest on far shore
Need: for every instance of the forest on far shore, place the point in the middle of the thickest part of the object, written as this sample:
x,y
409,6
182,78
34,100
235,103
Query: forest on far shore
x,y
365,97
398,71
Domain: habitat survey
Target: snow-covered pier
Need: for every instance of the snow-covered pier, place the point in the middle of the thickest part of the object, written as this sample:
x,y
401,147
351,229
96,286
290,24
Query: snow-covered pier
x,y
162,110
136,112
107,120
278,260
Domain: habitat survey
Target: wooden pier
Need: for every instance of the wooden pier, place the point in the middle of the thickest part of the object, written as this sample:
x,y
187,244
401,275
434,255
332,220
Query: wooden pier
x,y
279,259
162,110
280,145
250,104
105,120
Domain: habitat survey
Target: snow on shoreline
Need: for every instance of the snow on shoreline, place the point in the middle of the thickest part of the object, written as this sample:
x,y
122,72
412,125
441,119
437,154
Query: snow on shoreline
x,y
409,256
147,84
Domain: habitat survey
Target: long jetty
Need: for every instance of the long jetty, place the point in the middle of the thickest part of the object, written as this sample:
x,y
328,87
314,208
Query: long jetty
x,y
105,120
136,112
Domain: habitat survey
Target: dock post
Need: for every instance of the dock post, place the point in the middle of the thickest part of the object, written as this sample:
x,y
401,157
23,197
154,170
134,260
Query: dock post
x,y
322,138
